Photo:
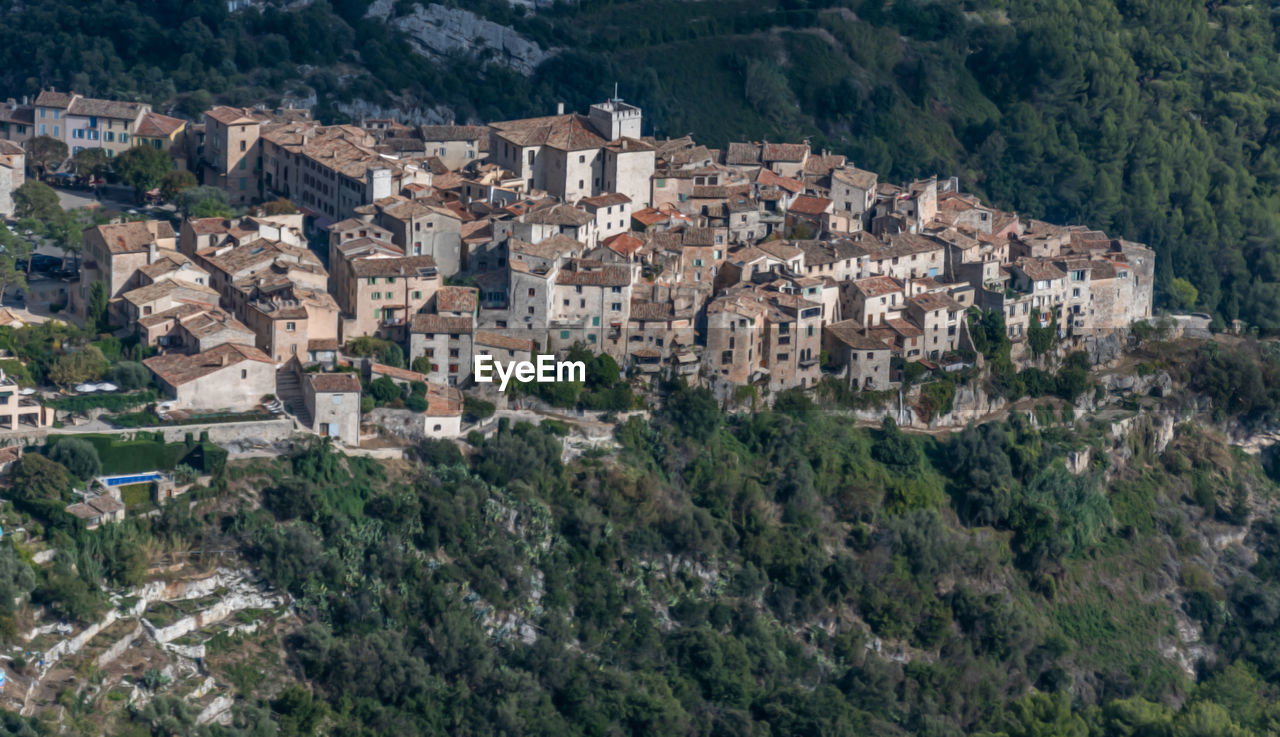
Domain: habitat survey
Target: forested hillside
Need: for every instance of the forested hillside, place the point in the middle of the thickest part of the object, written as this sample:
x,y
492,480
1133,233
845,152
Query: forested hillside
x,y
772,573
1154,119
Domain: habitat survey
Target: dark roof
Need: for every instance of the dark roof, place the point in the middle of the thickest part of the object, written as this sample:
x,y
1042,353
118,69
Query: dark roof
x,y
605,276
402,266
452,132
791,152
850,333
90,107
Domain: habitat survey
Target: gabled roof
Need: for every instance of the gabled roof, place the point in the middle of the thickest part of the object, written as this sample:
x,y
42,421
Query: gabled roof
x,y
89,107
809,205
851,333
548,248
605,200
133,236
788,152
742,154
855,177
176,369
498,340
571,132
453,132
53,98
394,266
875,286
623,244
559,214
231,115
155,125
602,276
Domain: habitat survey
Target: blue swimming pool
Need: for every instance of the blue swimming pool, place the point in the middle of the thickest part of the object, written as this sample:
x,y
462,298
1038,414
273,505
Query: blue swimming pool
x,y
131,479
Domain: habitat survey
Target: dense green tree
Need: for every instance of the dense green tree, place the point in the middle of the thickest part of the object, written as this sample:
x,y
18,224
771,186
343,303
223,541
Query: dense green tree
x,y
37,477
44,154
35,199
143,167
91,162
78,456
176,182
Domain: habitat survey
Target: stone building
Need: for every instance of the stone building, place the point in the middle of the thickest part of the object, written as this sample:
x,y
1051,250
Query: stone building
x,y
333,401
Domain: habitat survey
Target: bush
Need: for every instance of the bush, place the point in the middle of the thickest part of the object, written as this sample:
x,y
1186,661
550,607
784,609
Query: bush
x,y
383,389
78,456
130,375
109,402
475,409
416,403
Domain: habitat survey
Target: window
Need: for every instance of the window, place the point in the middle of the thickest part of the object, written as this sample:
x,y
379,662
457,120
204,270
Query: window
x,y
376,295
617,306
591,337
417,295
564,335
532,292
582,158
244,373
580,184
373,280
337,399
430,352
242,145
290,327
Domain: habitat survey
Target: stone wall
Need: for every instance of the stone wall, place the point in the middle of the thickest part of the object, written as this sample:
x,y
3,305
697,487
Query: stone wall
x,y
224,432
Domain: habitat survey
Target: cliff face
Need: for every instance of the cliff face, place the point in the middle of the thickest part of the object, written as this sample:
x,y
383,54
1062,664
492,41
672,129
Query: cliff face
x,y
450,33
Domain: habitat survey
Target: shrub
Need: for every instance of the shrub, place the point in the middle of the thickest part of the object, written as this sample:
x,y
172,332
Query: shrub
x,y
383,389
416,403
109,402
130,375
475,409
77,456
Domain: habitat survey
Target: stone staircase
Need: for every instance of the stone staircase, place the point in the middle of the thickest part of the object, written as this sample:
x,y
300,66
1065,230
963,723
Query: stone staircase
x,y
289,391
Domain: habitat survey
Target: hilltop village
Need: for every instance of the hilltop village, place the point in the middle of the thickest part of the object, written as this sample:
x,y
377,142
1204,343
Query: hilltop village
x,y
764,264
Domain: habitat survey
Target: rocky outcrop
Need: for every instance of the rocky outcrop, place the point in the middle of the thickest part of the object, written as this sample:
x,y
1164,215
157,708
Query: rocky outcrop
x,y
444,34
407,113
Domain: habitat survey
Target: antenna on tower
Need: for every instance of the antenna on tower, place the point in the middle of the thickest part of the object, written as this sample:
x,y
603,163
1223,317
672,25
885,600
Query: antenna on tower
x,y
615,91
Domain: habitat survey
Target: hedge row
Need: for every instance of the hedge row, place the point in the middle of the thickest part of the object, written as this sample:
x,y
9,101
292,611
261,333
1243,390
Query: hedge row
x,y
112,402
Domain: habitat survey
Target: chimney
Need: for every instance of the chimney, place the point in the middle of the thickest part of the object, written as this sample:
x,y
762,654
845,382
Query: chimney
x,y
559,108
151,252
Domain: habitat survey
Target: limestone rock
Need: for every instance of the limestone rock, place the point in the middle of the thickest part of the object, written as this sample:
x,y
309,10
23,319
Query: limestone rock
x,y
448,33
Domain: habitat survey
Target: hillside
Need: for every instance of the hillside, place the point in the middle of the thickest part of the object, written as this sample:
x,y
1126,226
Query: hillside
x,y
1153,120
776,572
